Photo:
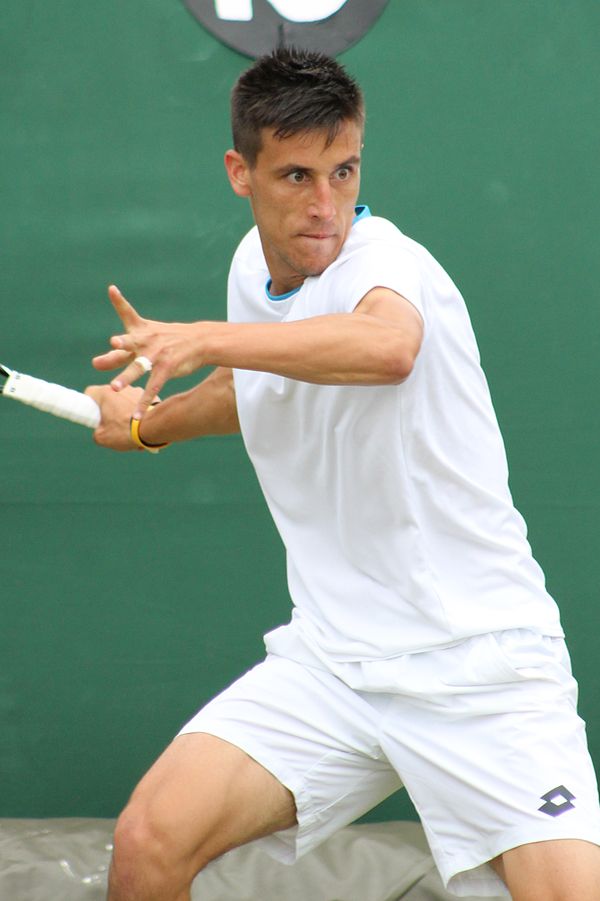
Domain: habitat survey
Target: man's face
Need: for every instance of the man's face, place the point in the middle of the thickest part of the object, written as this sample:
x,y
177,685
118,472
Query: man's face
x,y
303,195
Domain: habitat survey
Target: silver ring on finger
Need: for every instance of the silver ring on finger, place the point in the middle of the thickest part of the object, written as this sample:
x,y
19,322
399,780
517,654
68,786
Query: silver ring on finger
x,y
144,362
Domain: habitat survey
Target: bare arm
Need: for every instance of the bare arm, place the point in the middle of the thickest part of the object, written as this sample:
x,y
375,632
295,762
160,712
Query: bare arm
x,y
207,409
376,344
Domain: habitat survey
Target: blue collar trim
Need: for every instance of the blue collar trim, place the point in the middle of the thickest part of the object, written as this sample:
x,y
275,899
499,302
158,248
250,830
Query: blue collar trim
x,y
362,212
280,296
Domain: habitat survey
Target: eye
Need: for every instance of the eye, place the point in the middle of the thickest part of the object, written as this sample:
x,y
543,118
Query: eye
x,y
344,173
297,177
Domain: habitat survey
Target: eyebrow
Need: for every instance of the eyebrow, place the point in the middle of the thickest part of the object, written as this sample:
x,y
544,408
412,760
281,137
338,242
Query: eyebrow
x,y
291,167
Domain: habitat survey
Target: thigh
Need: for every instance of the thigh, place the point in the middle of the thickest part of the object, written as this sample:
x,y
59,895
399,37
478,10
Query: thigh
x,y
541,871
315,735
204,796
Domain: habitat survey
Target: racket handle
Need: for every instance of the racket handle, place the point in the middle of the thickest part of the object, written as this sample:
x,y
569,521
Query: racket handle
x,y
55,399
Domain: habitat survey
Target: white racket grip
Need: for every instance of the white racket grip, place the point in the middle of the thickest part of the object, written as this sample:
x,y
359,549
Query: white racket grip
x,y
51,398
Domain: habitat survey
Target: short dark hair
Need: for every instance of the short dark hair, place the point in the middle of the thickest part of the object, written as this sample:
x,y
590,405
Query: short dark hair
x,y
292,91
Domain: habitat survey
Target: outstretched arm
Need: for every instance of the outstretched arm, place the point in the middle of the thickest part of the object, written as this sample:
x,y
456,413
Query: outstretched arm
x,y
374,345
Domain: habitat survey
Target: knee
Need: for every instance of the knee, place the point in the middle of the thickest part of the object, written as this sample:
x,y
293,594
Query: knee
x,y
147,860
135,839
138,860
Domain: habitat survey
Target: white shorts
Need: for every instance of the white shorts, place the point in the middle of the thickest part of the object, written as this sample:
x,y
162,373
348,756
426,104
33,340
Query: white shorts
x,y
484,736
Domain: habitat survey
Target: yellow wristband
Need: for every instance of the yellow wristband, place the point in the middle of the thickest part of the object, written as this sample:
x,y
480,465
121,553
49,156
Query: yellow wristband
x,y
134,429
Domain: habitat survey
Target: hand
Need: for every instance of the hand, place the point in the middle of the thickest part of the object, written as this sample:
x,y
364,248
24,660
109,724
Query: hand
x,y
173,348
116,412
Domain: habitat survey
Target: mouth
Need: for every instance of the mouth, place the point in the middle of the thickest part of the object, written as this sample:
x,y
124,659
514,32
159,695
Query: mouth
x,y
318,237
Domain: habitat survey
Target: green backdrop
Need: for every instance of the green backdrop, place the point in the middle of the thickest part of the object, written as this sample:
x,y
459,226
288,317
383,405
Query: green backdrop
x,y
134,587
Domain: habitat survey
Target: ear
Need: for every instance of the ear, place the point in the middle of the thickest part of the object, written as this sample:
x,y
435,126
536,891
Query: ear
x,y
238,173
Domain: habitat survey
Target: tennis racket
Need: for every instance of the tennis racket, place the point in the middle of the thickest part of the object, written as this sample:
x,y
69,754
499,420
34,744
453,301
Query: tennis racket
x,y
49,398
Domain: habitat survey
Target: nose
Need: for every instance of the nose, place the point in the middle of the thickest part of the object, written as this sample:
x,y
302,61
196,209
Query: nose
x,y
321,203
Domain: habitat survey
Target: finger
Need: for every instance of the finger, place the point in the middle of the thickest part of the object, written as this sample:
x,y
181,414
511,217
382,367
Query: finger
x,y
124,310
123,342
151,394
94,391
136,369
113,359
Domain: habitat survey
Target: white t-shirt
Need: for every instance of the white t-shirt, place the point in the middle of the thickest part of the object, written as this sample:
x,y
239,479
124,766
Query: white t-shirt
x,y
392,502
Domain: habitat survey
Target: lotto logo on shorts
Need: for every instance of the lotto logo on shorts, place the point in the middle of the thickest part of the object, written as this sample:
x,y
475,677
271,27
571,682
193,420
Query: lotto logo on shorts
x,y
559,793
254,27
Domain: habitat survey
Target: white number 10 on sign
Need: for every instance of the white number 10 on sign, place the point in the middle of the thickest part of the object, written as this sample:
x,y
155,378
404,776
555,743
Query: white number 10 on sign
x,y
293,10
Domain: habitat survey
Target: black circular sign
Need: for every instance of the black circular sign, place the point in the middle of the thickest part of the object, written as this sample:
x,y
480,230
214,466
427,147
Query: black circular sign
x,y
254,27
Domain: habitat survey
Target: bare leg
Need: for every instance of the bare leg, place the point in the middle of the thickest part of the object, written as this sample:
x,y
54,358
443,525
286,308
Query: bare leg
x,y
562,870
201,798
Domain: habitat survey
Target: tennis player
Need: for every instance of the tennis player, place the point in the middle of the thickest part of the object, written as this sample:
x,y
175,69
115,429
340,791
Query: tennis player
x,y
423,649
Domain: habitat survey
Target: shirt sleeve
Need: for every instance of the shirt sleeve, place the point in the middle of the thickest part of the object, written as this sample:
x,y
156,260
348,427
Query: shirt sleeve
x,y
380,264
